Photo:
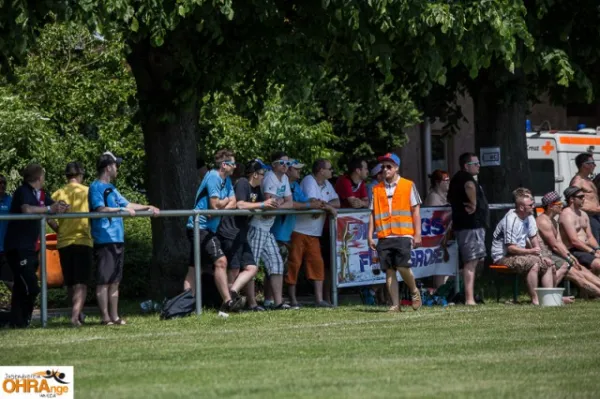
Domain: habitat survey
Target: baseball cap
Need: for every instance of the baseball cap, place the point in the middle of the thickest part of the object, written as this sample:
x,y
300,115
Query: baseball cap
x,y
255,165
74,169
297,164
550,198
390,157
571,191
108,158
375,171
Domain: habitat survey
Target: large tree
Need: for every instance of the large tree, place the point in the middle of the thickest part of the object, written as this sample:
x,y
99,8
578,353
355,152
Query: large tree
x,y
365,50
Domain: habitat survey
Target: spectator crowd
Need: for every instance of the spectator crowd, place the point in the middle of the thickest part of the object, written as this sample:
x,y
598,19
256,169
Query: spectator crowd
x,y
561,243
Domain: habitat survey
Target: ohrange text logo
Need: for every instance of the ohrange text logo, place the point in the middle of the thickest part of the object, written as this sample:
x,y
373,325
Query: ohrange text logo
x,y
37,382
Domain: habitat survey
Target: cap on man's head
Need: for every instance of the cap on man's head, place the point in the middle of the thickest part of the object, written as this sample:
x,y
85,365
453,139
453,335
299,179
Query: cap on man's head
x,y
297,164
74,169
550,198
390,157
255,165
571,191
375,171
106,159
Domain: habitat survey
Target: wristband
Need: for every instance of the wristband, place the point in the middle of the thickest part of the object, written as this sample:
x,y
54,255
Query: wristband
x,y
123,209
262,205
48,209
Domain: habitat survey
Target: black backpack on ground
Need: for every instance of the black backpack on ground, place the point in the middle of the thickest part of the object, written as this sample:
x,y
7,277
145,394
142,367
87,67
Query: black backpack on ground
x,y
181,305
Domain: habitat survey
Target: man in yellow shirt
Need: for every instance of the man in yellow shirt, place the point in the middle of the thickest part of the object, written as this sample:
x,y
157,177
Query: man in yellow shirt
x,y
75,240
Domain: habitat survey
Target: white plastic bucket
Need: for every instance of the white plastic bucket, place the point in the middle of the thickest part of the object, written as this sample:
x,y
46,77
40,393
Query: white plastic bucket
x,y
550,296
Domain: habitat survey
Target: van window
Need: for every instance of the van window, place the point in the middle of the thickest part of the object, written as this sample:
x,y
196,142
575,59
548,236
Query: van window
x,y
542,176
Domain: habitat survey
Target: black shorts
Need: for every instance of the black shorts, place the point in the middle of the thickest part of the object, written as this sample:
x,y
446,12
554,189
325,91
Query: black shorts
x,y
109,260
238,251
76,264
210,247
584,258
394,252
5,272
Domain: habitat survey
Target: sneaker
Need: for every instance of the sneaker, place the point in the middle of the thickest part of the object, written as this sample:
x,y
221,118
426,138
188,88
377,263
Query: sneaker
x,y
237,301
257,309
226,306
295,306
416,300
324,304
394,309
281,306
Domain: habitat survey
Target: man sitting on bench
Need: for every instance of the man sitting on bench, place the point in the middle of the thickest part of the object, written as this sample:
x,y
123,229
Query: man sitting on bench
x,y
565,263
509,244
576,232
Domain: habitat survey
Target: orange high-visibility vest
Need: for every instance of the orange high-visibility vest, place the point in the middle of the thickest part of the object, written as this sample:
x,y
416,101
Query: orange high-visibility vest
x,y
399,220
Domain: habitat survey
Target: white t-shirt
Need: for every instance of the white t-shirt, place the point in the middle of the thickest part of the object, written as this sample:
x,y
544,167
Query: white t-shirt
x,y
278,188
306,224
390,189
512,230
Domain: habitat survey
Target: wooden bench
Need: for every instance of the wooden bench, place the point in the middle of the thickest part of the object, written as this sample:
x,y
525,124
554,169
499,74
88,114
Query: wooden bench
x,y
506,270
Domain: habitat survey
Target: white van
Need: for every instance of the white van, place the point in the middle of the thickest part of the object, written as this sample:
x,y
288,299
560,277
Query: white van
x,y
552,157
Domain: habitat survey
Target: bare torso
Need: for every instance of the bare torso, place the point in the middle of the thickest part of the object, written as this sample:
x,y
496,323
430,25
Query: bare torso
x,y
579,220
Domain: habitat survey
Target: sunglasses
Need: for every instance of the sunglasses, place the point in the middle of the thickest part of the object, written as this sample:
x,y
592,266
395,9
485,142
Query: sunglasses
x,y
389,167
230,163
579,196
590,163
473,163
281,162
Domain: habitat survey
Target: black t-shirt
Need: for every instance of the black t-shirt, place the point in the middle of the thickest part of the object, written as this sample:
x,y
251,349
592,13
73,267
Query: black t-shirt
x,y
457,196
24,234
231,226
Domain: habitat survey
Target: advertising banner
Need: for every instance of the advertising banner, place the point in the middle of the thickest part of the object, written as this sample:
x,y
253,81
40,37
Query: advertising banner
x,y
358,264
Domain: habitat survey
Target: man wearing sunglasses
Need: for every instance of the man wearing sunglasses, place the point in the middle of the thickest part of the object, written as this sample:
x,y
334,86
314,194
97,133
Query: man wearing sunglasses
x,y
215,192
516,244
576,231
275,187
5,201
396,220
585,168
470,218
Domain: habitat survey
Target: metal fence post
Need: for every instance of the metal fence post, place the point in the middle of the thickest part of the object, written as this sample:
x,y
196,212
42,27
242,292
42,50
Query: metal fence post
x,y
197,262
43,274
333,257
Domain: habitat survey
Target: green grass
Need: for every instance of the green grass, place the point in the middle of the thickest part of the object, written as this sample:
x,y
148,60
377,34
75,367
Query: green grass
x,y
490,351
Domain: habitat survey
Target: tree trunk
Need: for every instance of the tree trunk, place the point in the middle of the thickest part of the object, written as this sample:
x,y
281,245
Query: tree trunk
x,y
500,122
170,126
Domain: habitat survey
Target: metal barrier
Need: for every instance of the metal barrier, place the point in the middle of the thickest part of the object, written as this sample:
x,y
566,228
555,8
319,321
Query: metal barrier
x,y
197,253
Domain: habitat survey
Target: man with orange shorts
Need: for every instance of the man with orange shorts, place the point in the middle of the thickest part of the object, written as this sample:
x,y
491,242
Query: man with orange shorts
x,y
305,245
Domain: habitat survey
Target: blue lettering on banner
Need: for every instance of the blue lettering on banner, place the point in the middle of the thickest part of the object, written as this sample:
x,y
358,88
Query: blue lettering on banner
x,y
426,257
364,260
432,227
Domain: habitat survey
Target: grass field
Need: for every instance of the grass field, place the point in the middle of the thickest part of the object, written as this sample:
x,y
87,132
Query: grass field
x,y
350,352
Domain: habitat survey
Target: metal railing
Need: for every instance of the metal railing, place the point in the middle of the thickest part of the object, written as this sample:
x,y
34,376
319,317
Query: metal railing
x,y
43,218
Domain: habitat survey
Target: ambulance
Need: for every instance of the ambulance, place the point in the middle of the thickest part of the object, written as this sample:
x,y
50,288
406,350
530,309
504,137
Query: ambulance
x,y
552,157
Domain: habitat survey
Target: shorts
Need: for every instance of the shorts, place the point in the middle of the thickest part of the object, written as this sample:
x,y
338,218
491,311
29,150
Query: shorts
x,y
5,272
238,251
210,248
76,264
584,258
264,247
471,244
595,225
109,260
522,263
308,249
394,252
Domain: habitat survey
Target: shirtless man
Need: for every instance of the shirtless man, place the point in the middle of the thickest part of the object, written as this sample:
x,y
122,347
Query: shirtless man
x,y
553,248
585,167
575,230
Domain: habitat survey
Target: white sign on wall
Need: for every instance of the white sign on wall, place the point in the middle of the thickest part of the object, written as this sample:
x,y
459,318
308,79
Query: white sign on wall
x,y
489,156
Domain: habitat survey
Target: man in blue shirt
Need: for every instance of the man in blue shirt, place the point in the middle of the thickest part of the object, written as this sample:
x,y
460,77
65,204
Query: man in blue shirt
x,y
215,192
109,236
5,200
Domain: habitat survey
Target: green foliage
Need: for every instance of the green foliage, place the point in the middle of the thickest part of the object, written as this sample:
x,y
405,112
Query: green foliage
x,y
72,101
297,129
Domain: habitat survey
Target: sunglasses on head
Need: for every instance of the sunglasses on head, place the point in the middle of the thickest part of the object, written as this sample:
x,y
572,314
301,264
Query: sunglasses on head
x,y
283,162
